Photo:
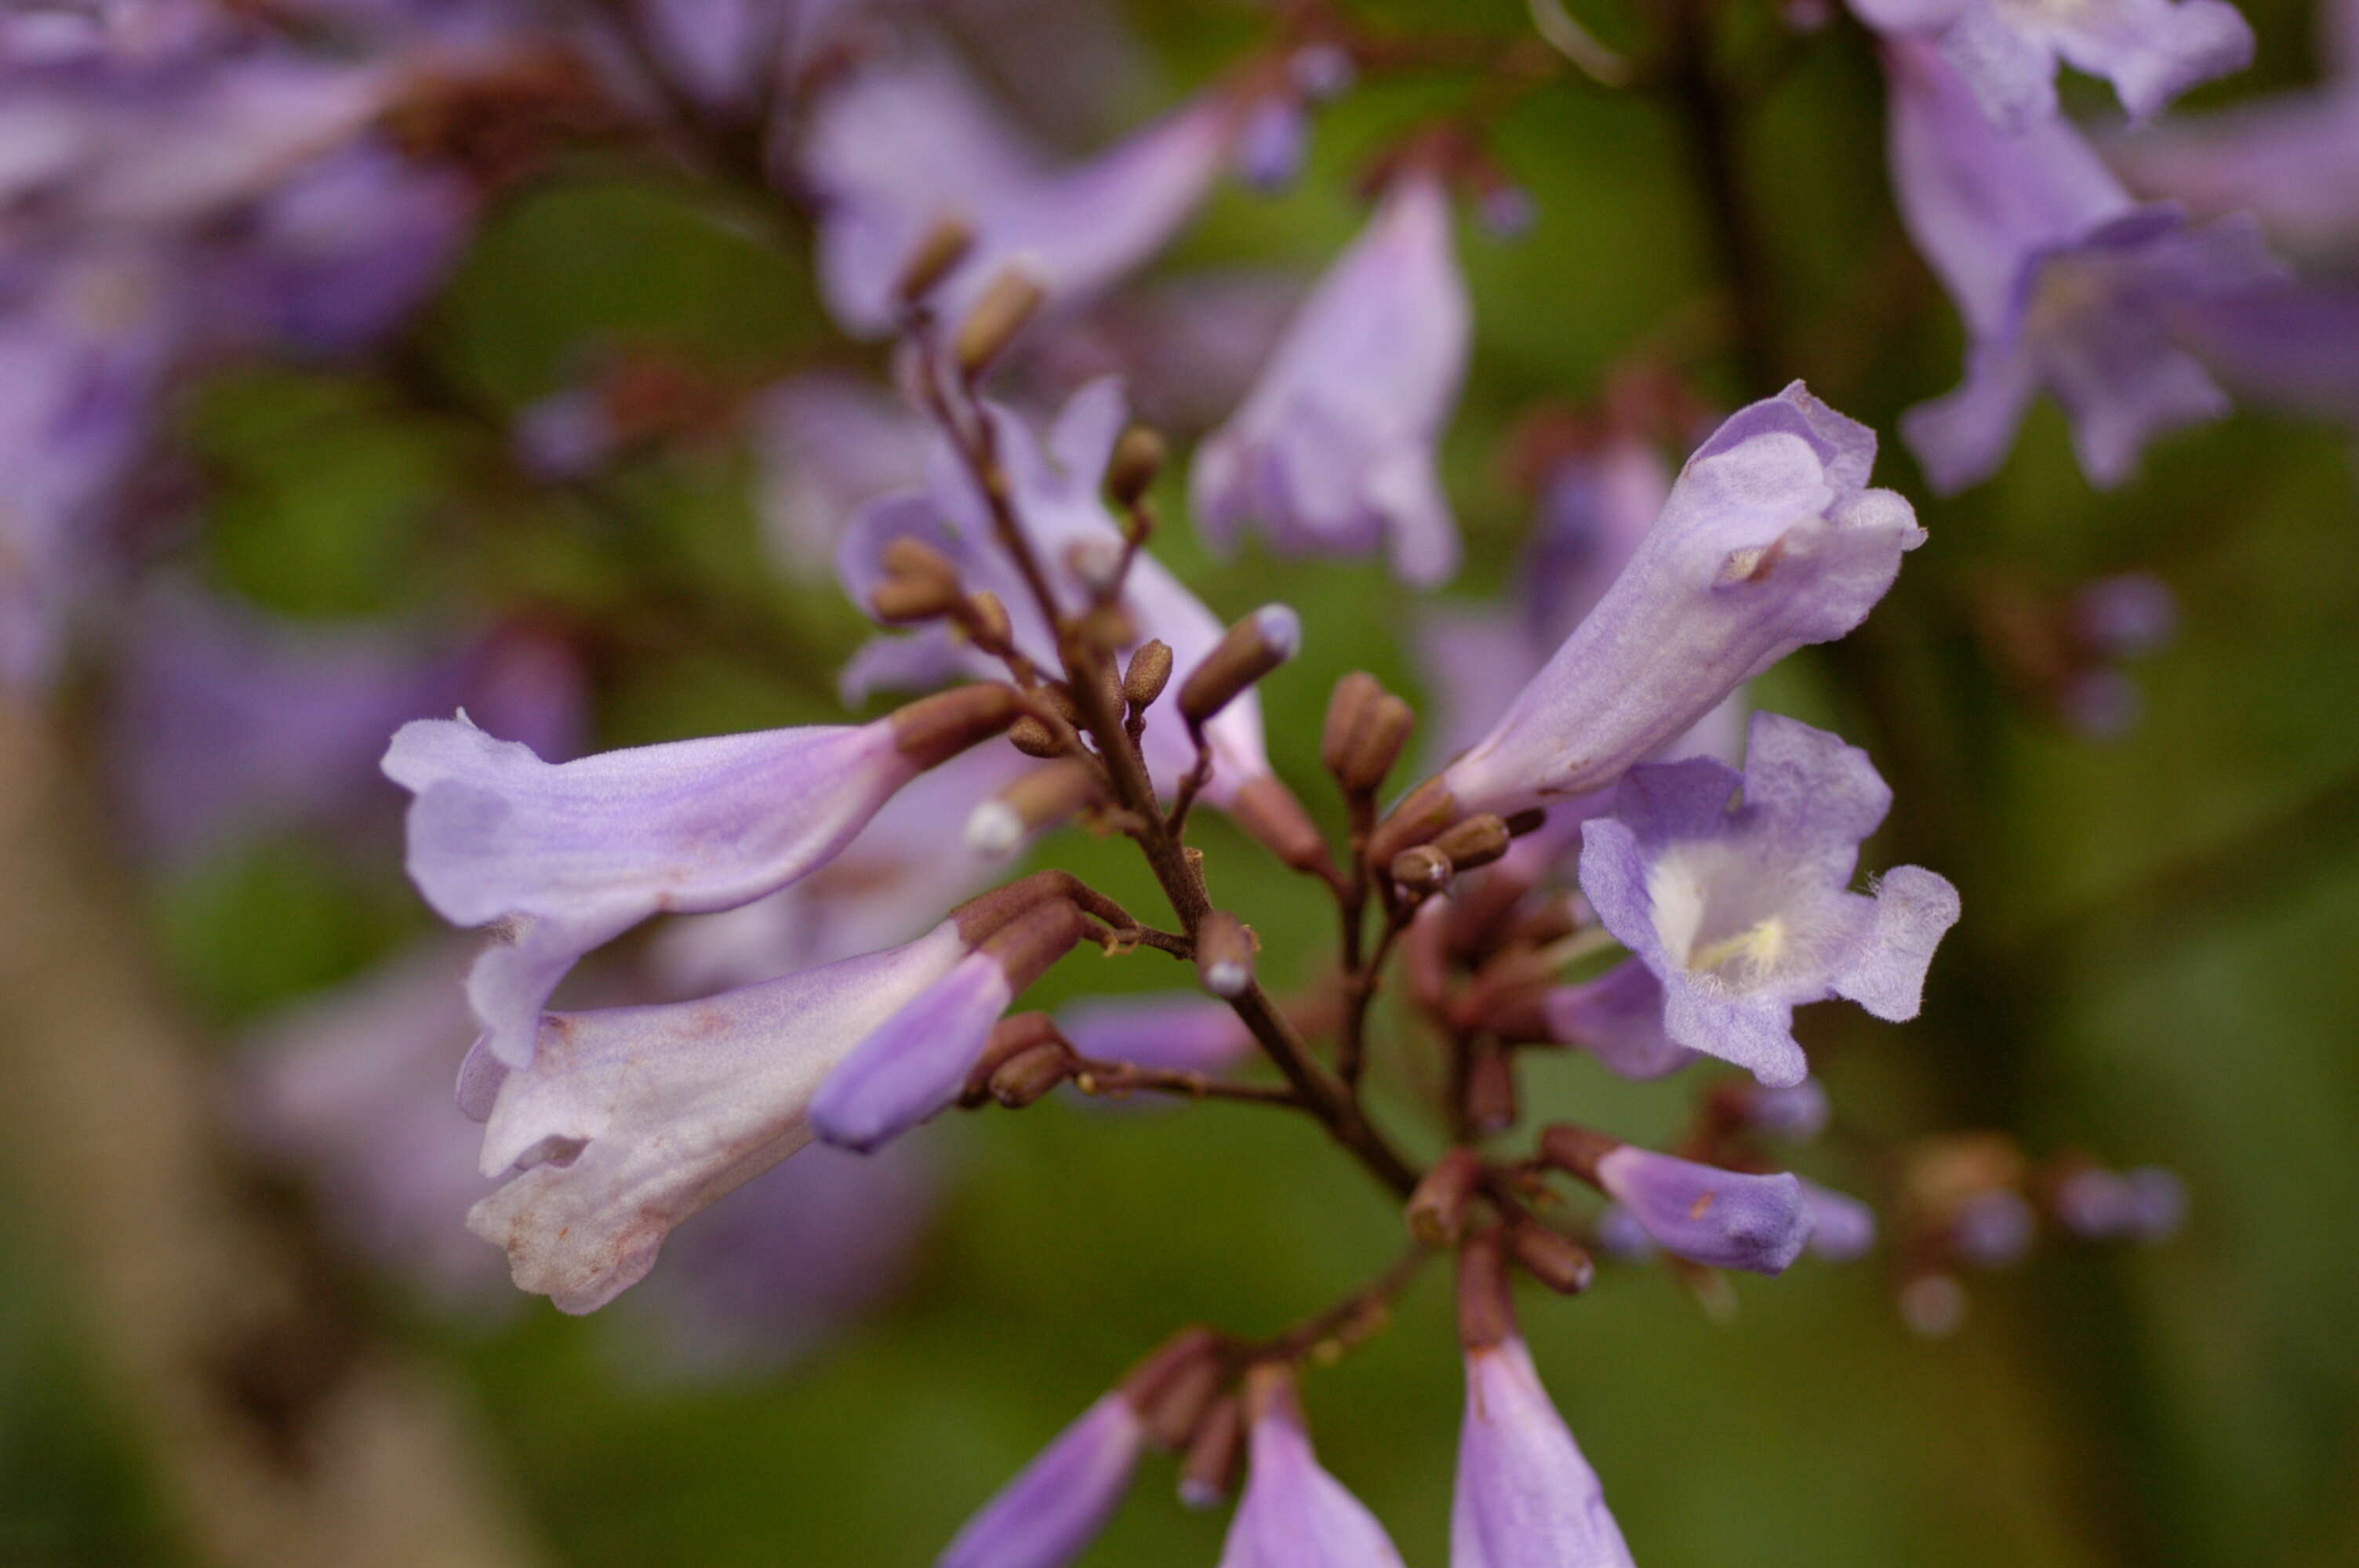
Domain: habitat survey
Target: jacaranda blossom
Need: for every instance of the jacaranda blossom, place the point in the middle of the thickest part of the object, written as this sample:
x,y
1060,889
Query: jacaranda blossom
x,y
1770,539
1842,1228
2066,285
1334,450
1723,1219
1735,891
1525,1496
563,857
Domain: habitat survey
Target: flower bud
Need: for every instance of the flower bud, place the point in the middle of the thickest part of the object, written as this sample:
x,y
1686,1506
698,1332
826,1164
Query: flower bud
x,y
998,828
1149,673
1553,1257
1490,1103
1437,1209
1010,1038
1422,871
1211,1467
985,619
1266,810
1138,457
1026,1077
938,254
1368,727
1034,737
1224,953
1426,811
1576,1150
1486,1313
1005,307
935,729
1477,841
1253,647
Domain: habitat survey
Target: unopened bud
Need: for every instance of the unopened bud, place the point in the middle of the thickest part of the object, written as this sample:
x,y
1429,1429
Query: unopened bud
x,y
1251,649
1429,808
1029,1075
1033,737
1107,626
935,729
1096,564
1486,1313
901,600
1211,1467
1148,674
1553,1257
986,618
1437,1209
1179,1406
1041,798
1422,871
1224,953
1576,1148
1011,1037
938,254
1490,1089
1477,841
1148,1382
1010,302
1035,939
1137,458
1347,709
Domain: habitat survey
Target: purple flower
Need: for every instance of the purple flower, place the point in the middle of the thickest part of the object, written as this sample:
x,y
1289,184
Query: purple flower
x,y
1797,1113
627,1120
827,443
1183,1032
2291,345
917,1062
2126,615
895,151
2145,1204
2290,159
1842,1228
1734,890
1058,485
1525,1496
1723,1219
1994,1228
2065,284
1294,1514
1770,539
1334,450
2008,50
1055,1508
563,857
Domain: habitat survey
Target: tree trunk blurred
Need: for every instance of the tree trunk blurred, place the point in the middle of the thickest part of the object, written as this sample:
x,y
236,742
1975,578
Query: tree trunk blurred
x,y
278,1431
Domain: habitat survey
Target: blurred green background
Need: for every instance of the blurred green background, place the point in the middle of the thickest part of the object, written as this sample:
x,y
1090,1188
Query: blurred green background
x,y
2156,962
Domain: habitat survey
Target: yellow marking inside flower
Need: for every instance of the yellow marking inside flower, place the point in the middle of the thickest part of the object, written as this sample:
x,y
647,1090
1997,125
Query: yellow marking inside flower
x,y
1698,1209
1756,949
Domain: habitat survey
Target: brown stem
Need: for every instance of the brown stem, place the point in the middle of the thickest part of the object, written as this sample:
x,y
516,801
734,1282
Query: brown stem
x,y
1364,1309
1117,1079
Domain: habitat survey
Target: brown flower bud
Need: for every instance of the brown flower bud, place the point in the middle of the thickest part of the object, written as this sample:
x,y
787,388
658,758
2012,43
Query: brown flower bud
x,y
986,618
1034,737
1211,1467
1428,809
1006,304
1041,798
1149,1380
1422,871
935,729
1576,1148
1553,1257
1490,1089
1477,842
1224,953
1029,1075
1251,649
1138,457
938,254
919,584
1437,1209
1035,939
1011,1037
1180,1405
1347,709
1149,673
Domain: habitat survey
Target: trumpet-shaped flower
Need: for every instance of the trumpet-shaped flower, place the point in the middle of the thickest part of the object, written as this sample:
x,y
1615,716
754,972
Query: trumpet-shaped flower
x,y
1723,1219
1294,1514
1733,888
1526,1497
1770,539
1334,450
1055,1508
563,857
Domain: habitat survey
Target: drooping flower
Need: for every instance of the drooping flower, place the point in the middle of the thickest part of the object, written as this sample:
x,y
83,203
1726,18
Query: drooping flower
x,y
1770,539
2008,50
1334,452
895,151
1617,1018
563,857
1723,1219
1057,490
2066,284
1293,1514
1733,888
1525,1496
1055,1508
